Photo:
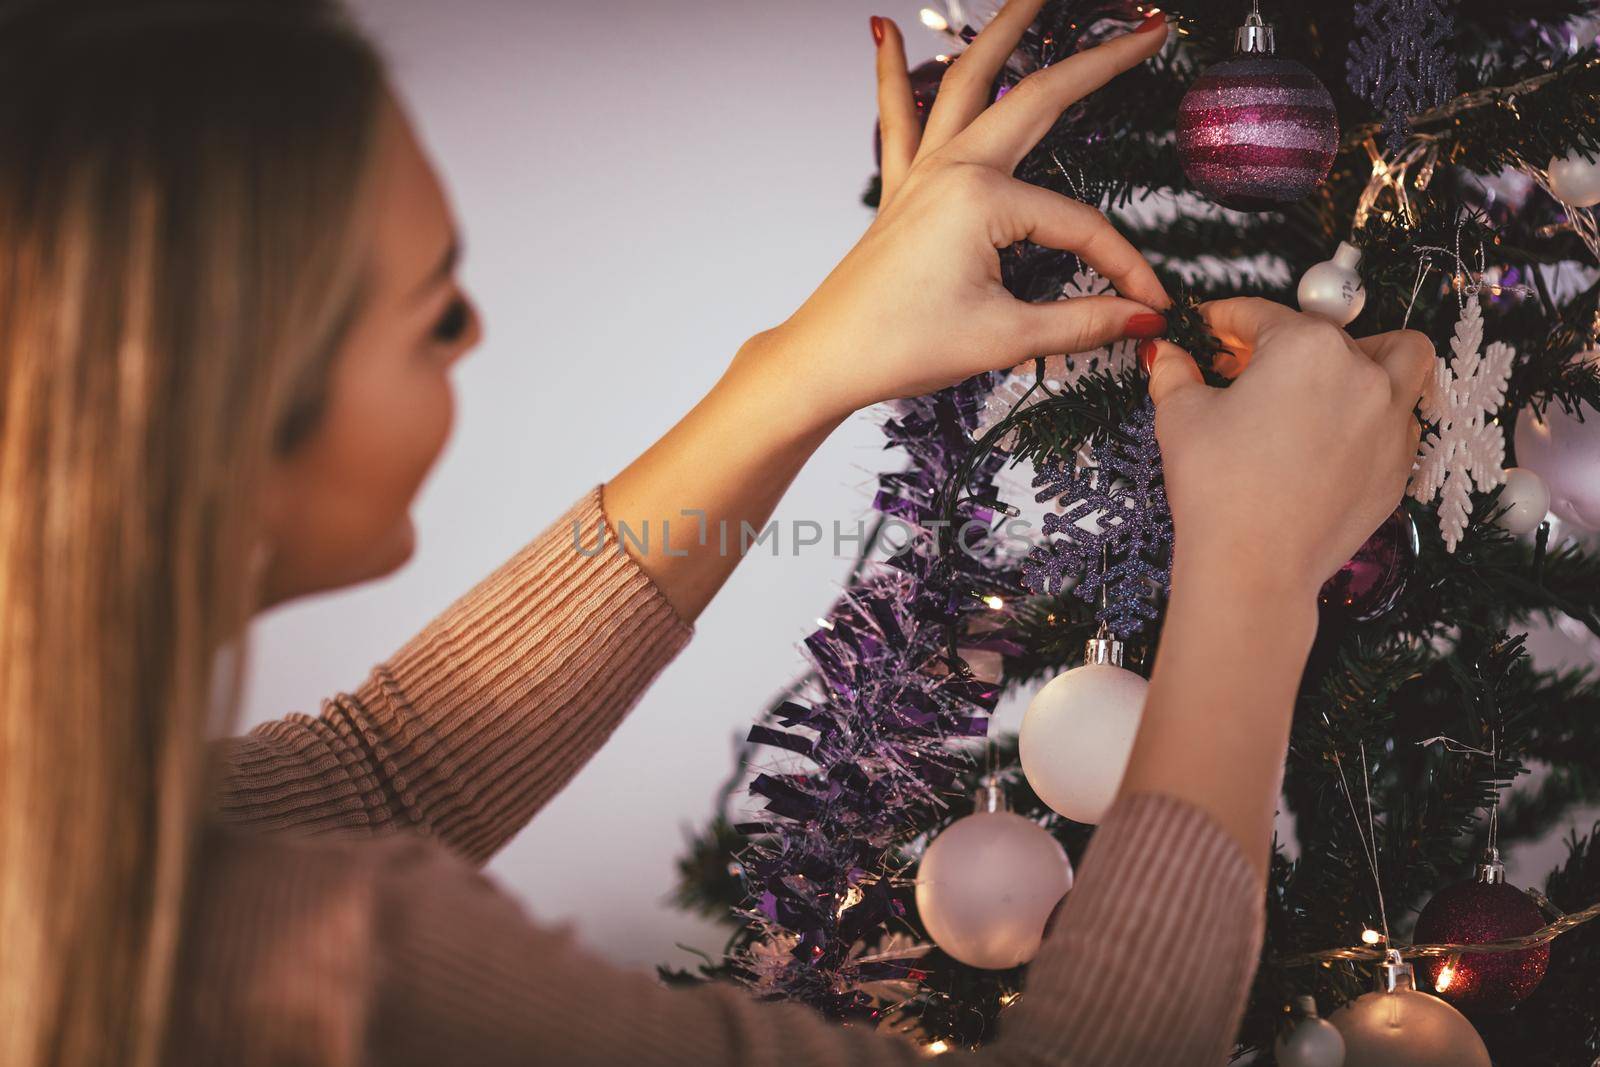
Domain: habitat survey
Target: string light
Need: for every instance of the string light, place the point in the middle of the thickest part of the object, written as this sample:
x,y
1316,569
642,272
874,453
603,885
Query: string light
x,y
933,20
1369,936
852,897
1008,999
994,602
937,1048
1447,974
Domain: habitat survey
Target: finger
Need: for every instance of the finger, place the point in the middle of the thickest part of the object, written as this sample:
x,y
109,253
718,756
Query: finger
x,y
1055,221
1081,324
964,92
1240,323
1172,370
1006,132
897,110
1407,357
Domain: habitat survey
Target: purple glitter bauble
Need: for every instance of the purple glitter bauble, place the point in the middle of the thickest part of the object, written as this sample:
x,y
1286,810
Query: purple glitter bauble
x,y
1471,913
1369,584
1257,132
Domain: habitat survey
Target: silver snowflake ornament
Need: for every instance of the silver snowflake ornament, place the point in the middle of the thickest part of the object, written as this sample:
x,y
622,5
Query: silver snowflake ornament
x,y
1112,536
1401,60
1465,448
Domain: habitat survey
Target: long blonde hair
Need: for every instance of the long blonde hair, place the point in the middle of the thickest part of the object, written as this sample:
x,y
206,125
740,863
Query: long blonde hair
x,y
180,184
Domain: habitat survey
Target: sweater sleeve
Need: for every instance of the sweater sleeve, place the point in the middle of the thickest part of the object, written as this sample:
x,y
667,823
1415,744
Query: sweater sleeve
x,y
1148,964
469,729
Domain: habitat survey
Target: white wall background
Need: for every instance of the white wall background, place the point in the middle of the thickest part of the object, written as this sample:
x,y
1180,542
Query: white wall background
x,y
642,185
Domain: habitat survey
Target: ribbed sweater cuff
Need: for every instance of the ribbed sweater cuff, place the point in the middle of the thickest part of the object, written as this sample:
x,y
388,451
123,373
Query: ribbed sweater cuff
x,y
1154,950
490,710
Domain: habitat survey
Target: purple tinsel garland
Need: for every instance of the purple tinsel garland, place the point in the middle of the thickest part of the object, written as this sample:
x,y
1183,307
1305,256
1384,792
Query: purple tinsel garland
x,y
878,739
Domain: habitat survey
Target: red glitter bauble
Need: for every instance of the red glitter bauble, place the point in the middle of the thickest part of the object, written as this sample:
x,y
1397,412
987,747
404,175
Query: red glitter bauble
x,y
1370,583
1469,914
1257,132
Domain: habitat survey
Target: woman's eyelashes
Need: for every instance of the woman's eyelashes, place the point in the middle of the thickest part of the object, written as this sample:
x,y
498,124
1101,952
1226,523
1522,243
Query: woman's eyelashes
x,y
454,323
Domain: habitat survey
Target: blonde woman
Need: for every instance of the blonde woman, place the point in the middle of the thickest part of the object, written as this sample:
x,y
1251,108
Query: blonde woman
x,y
228,312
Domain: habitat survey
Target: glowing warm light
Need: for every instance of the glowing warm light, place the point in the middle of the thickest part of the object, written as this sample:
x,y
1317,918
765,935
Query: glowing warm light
x,y
937,1048
1370,936
1008,999
1447,974
824,623
933,20
994,602
852,897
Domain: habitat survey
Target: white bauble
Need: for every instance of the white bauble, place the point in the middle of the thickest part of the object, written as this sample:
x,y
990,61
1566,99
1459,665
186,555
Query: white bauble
x,y
1314,1041
1333,289
1566,454
1078,733
1406,1028
1575,180
987,884
1526,500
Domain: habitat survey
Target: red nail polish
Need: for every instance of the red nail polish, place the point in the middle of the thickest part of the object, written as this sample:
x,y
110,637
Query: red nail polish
x,y
1151,21
1145,325
1147,354
877,30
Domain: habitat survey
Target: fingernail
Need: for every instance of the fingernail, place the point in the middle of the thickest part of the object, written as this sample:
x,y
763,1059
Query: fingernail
x,y
1145,325
877,30
1147,354
1151,21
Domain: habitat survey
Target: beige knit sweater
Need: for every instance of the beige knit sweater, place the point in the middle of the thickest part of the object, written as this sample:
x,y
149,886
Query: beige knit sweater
x,y
323,935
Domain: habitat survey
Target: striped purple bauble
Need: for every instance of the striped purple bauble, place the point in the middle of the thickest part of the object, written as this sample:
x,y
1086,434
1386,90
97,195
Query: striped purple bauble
x,y
1257,132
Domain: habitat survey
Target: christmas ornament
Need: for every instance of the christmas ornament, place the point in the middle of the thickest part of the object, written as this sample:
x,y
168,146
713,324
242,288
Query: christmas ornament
x,y
1061,372
1575,180
1115,531
1525,500
1401,62
1314,1041
1486,908
925,81
988,882
1078,732
1466,447
1399,1027
1333,289
1564,450
1369,585
1257,131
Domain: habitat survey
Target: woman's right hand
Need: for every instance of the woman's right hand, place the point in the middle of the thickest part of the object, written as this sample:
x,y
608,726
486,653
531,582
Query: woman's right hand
x,y
918,303
1282,476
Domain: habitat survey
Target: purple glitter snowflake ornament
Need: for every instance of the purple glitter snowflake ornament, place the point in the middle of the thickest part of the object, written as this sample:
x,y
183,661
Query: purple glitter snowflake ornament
x,y
1401,62
1114,527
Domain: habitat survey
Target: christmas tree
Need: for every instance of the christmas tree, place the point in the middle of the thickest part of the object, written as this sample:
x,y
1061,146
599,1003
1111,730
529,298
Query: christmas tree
x,y
1422,164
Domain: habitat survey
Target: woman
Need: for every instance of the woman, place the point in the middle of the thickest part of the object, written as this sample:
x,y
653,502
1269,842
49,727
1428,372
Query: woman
x,y
227,316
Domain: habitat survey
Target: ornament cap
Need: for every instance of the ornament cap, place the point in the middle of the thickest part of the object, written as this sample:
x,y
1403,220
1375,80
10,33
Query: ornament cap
x,y
1347,255
1395,974
1491,871
1306,1007
1103,649
1255,36
991,796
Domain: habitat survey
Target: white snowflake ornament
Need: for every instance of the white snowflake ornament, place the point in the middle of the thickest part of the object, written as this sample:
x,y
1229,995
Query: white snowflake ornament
x,y
1465,448
1060,372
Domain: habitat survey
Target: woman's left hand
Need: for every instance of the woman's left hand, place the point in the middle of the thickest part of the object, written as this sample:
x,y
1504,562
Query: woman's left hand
x,y
918,304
